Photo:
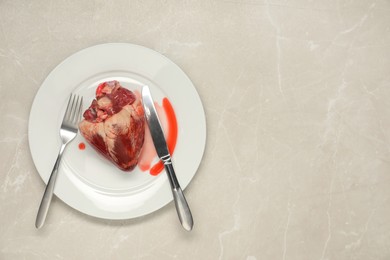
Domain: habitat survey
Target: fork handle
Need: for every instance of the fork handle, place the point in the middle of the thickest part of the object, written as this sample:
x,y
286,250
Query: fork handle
x,y
47,196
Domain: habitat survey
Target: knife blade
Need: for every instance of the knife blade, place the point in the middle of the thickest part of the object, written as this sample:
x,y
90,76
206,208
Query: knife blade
x,y
157,133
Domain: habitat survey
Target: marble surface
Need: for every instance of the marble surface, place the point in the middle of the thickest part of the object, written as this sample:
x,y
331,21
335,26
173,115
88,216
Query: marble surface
x,y
296,95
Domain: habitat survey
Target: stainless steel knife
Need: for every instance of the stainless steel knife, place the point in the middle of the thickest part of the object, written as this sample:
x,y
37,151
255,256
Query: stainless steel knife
x,y
183,211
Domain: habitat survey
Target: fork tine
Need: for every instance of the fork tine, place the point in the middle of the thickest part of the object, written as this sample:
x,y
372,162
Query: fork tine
x,y
76,111
68,108
80,111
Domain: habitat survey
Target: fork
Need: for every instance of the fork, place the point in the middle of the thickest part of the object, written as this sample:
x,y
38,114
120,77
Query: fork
x,y
68,132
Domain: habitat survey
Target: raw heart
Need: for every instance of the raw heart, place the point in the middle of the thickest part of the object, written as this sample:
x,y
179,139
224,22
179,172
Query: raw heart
x,y
114,124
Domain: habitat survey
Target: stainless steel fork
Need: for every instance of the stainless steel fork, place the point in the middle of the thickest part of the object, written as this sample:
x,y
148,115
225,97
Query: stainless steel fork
x,y
68,132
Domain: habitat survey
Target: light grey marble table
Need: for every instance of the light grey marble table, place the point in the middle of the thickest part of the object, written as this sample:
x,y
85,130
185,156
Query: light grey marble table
x,y
297,101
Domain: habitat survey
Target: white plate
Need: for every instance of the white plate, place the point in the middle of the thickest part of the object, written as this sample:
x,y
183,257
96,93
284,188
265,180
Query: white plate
x,y
88,182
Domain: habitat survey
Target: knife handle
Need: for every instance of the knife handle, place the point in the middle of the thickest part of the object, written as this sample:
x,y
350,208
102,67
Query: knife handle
x,y
182,208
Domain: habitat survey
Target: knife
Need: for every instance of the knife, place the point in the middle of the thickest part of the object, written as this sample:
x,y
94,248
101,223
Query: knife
x,y
156,131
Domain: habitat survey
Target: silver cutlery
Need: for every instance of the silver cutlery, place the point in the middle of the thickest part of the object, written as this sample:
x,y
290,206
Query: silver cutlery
x,y
68,132
183,211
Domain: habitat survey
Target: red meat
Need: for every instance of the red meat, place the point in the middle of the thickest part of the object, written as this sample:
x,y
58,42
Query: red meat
x,y
114,124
